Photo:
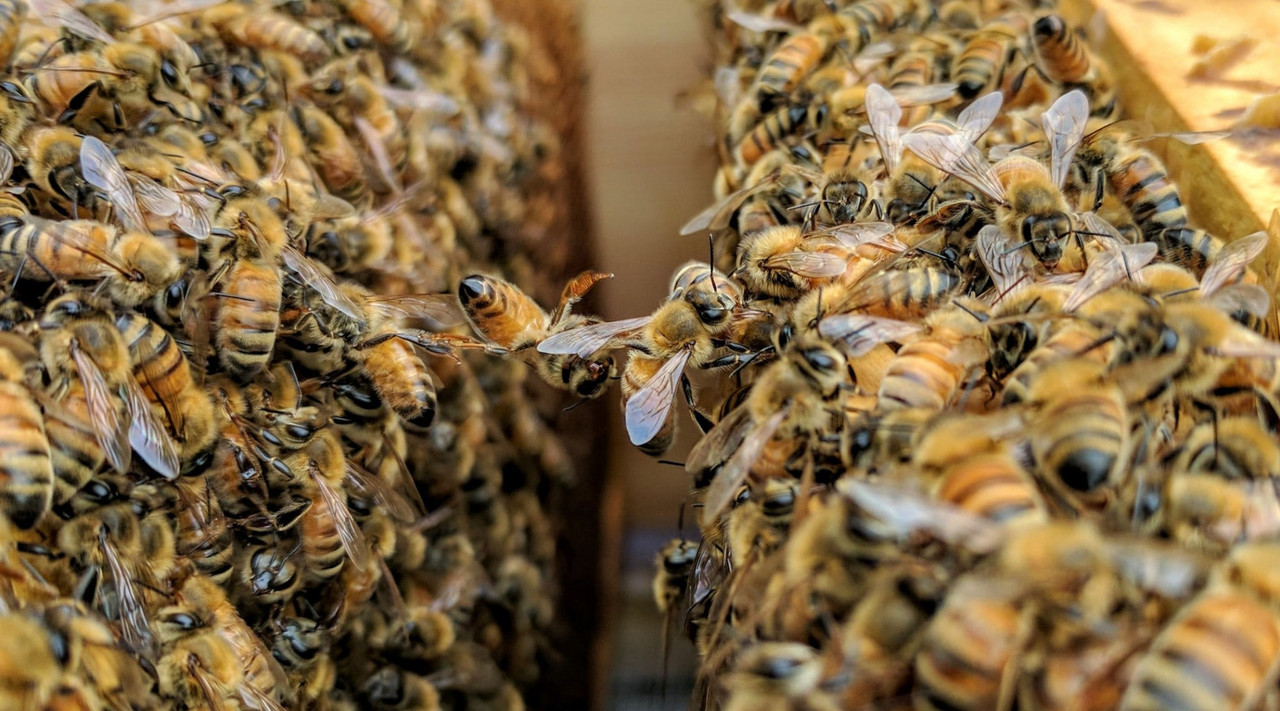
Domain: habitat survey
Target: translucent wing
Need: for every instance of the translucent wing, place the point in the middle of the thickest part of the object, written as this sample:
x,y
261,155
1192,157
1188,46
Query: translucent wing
x,y
192,219
1106,234
1064,125
590,339
353,540
1005,265
255,699
862,333
905,512
6,165
718,214
884,114
133,613
1231,261
1191,138
391,500
311,275
923,94
1168,570
977,117
154,197
443,309
420,99
210,686
79,242
1243,343
720,443
728,85
860,233
1241,298
109,427
735,471
762,23
647,410
813,265
956,156
147,436
103,171
165,10
378,150
56,13
1108,269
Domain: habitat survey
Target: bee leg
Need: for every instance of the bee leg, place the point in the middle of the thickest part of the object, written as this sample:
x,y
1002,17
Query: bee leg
x,y
702,421
78,102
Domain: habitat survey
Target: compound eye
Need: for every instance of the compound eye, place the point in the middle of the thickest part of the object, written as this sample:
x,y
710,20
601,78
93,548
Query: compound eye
x,y
820,360
169,72
712,314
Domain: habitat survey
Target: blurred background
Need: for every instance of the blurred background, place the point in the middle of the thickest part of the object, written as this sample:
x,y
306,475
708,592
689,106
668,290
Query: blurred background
x,y
650,166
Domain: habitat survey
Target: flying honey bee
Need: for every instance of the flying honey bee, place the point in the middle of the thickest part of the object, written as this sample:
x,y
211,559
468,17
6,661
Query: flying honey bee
x,y
682,331
504,315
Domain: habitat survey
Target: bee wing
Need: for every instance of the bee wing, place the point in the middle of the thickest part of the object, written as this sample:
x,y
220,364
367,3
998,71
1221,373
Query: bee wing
x,y
154,197
728,85
1231,261
1006,266
104,172
860,233
56,13
906,512
109,427
592,338
1108,269
1103,231
311,275
420,99
147,436
884,114
1064,125
735,471
951,154
762,23
255,699
1191,138
924,94
862,333
210,686
717,215
977,117
6,165
722,441
349,533
391,500
1233,298
378,150
441,309
192,218
165,10
1166,570
813,265
647,410
133,613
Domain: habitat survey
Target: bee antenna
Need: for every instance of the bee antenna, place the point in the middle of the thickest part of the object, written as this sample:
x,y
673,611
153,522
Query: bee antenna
x,y
711,259
673,463
574,405
982,318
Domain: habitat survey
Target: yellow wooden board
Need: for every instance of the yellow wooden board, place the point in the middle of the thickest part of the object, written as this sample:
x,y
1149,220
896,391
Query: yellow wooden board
x,y
1231,186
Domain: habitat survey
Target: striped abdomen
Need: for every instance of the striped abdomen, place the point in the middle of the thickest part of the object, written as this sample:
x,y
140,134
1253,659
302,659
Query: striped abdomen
x,y
1145,188
248,316
26,474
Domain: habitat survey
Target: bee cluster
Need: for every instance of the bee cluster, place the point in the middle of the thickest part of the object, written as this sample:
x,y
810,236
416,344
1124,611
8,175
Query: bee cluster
x,y
986,421
247,457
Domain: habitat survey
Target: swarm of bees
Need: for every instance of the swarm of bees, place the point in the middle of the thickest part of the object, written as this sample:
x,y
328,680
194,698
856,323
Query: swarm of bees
x,y
248,456
986,422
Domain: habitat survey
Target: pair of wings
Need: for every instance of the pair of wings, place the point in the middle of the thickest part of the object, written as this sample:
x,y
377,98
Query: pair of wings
x,y
120,431
818,264
133,196
954,152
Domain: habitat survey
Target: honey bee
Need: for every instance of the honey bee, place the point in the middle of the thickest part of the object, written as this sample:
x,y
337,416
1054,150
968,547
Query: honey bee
x,y
504,315
783,71
1065,59
382,19
982,61
785,263
265,30
1237,609
769,133
977,469
930,369
680,332
1030,203
792,400
27,468
80,344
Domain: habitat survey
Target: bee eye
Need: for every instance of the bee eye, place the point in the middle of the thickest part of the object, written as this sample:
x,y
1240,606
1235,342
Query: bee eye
x,y
335,87
173,295
711,314
820,360
1027,224
186,621
169,72
820,116
299,431
208,138
1168,340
